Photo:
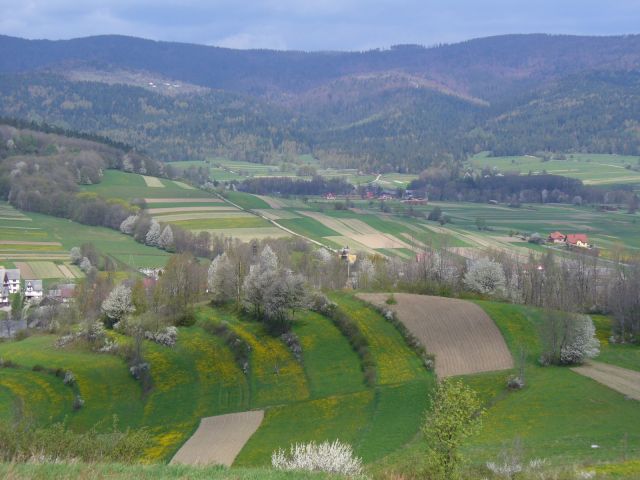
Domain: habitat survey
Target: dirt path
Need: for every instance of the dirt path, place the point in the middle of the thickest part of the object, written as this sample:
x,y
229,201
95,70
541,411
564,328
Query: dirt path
x,y
219,439
619,379
460,334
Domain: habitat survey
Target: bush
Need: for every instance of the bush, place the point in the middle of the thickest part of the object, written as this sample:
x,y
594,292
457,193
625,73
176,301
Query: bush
x,y
292,341
78,402
167,337
336,458
69,378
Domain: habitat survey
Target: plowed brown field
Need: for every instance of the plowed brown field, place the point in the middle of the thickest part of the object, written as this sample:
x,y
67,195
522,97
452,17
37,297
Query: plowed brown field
x,y
219,439
460,334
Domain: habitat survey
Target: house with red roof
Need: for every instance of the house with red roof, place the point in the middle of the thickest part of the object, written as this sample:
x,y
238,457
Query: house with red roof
x,y
556,237
578,240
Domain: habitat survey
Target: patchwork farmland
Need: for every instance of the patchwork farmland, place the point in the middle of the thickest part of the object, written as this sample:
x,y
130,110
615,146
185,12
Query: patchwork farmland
x,y
39,245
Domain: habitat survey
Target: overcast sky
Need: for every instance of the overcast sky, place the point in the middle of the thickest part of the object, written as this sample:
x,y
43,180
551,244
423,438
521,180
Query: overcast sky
x,y
315,25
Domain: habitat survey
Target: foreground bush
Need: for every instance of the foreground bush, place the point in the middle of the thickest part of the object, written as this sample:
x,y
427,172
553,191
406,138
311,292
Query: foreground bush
x,y
26,442
336,457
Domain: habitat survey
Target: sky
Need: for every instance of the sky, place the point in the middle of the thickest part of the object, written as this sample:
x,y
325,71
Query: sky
x,y
315,25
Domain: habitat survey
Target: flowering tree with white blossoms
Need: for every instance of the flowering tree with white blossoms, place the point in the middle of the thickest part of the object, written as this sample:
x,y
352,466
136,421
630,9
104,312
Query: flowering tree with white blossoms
x,y
118,304
153,235
336,457
485,276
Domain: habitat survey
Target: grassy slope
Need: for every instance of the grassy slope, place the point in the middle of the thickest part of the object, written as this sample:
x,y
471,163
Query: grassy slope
x,y
322,399
559,414
117,184
626,356
44,228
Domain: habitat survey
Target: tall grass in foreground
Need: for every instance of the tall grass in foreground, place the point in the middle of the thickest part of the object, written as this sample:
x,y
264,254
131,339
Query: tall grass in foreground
x,y
26,442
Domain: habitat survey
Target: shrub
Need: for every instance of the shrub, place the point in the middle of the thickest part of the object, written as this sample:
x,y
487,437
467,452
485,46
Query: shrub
x,y
78,402
292,341
167,337
336,458
69,378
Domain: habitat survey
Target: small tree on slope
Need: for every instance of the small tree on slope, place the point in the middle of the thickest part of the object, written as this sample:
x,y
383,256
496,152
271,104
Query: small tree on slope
x,y
456,414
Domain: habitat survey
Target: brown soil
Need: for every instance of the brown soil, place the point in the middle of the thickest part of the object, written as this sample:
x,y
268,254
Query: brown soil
x,y
460,334
218,440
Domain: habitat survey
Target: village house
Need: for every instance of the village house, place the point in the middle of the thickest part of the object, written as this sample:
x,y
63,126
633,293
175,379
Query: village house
x,y
63,293
11,279
578,240
32,289
556,237
4,296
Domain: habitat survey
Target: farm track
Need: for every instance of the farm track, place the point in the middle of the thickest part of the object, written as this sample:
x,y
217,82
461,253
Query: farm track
x,y
619,379
463,338
219,439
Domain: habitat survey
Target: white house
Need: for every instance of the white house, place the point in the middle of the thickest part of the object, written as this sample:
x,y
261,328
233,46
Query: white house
x,y
32,289
11,279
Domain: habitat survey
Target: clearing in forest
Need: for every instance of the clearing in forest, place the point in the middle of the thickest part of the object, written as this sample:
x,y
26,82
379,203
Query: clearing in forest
x,y
460,334
619,379
219,439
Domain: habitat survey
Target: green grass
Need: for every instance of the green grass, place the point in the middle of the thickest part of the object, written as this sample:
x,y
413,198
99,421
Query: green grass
x,y
590,168
559,414
626,355
44,228
308,227
246,200
217,223
322,398
50,471
330,364
127,186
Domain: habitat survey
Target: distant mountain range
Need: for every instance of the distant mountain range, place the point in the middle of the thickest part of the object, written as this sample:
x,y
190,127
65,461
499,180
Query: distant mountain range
x,y
402,108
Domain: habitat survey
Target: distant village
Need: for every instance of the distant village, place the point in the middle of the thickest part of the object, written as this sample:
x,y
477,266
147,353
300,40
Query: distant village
x,y
31,289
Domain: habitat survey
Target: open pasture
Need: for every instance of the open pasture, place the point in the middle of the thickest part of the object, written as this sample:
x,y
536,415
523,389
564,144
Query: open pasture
x,y
127,186
576,411
592,169
460,334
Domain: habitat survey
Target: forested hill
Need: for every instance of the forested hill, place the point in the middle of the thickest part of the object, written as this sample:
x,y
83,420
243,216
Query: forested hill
x,y
481,67
402,108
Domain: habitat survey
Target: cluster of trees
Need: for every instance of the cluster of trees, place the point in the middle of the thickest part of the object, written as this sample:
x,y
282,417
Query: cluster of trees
x,y
446,183
270,293
40,172
318,185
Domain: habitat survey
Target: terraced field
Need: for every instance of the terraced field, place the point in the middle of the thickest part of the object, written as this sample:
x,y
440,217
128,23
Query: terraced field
x,y
39,245
322,398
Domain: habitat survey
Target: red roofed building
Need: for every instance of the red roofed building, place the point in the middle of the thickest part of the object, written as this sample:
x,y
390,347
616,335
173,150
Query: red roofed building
x,y
578,240
556,237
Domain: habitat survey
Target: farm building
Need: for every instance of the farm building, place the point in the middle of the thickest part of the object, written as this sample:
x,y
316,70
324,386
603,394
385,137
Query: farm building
x,y
578,240
556,237
62,293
